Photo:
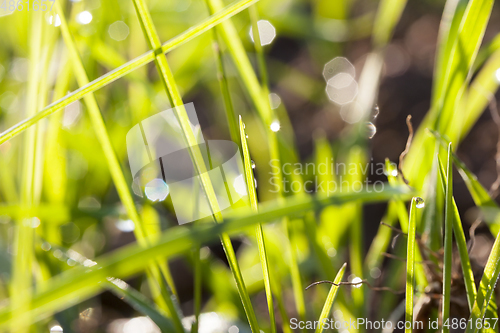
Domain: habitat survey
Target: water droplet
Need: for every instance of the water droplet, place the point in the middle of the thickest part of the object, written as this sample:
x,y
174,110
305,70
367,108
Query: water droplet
x,y
157,190
233,329
376,111
370,130
419,202
56,21
357,281
46,246
275,126
253,164
125,225
331,252
267,32
56,328
84,17
246,136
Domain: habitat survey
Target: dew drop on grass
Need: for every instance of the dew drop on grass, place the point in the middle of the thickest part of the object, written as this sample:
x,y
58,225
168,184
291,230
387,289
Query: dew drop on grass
x,y
84,17
157,190
275,126
356,282
253,164
371,130
376,111
55,329
233,329
419,202
46,246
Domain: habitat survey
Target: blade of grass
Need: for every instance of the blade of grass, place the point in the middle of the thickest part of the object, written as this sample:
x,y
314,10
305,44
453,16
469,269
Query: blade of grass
x,y
125,69
456,76
484,298
260,234
140,303
260,97
332,294
458,231
402,212
452,16
448,234
79,283
112,162
410,267
479,194
22,275
224,85
461,58
174,96
388,15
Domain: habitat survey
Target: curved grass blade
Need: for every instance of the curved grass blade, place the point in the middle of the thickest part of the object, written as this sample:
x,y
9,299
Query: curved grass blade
x,y
458,231
332,294
448,234
484,302
388,15
113,164
79,283
479,194
174,96
247,162
125,69
410,266
140,303
224,85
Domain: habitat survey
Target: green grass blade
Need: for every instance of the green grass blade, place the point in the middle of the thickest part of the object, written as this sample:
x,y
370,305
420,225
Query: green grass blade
x,y
230,36
485,295
140,303
224,85
127,68
481,91
388,15
463,53
479,194
332,294
448,29
382,239
22,277
448,234
458,231
111,159
247,162
174,96
81,282
410,265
